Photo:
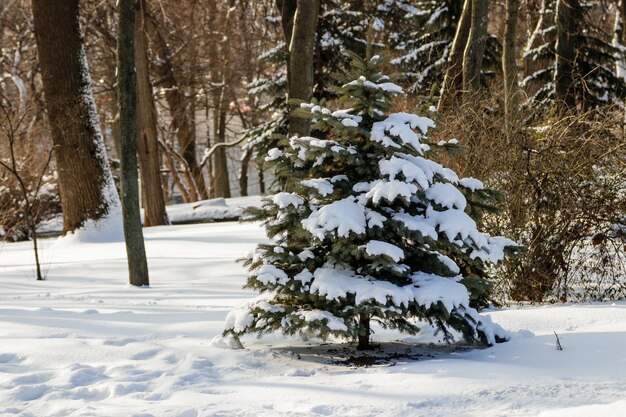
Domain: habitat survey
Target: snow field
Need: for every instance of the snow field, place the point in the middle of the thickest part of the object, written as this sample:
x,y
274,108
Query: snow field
x,y
84,343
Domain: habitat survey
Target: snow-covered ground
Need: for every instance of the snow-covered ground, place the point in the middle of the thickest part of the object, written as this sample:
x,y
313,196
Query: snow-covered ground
x,y
204,211
84,343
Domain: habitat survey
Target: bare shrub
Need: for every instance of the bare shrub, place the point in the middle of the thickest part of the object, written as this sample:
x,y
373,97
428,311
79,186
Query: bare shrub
x,y
565,185
29,194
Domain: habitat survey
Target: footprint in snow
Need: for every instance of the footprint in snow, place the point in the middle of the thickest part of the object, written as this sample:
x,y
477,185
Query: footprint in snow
x,y
188,413
85,375
89,394
36,378
29,392
202,364
126,389
299,372
323,410
146,354
119,342
144,376
10,358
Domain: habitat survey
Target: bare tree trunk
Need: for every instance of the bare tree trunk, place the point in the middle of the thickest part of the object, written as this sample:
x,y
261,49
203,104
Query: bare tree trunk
x,y
301,49
364,332
147,141
85,181
287,9
243,173
453,79
219,74
261,180
567,18
220,166
619,39
509,62
126,84
175,99
475,48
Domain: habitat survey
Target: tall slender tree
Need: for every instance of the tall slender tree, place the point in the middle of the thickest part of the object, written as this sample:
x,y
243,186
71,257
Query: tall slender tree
x,y
175,97
147,139
475,48
509,61
301,49
568,14
453,79
135,250
85,181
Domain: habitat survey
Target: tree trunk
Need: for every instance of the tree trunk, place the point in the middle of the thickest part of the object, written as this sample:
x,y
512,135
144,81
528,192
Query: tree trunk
x,y
287,9
261,180
220,165
509,62
567,15
475,48
453,79
619,39
176,101
147,141
300,74
219,74
364,332
85,181
243,173
126,84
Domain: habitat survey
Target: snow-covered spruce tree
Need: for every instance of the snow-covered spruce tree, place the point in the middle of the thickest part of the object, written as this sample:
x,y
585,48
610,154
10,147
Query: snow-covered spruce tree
x,y
371,229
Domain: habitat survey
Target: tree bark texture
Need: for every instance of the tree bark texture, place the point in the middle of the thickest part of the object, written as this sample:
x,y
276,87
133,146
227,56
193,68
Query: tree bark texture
x,y
126,84
243,173
509,61
220,164
475,48
364,332
176,101
287,9
147,140
453,78
219,77
567,15
85,182
301,50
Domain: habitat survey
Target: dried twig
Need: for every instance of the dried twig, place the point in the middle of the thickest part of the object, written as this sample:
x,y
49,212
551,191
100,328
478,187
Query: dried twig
x,y
558,342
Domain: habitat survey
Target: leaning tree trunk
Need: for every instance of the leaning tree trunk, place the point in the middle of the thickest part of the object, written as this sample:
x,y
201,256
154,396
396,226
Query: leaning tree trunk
x,y
567,15
453,79
126,84
475,48
147,140
301,49
509,62
176,101
85,181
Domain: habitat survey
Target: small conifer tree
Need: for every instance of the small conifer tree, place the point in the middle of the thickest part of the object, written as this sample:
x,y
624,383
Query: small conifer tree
x,y
371,229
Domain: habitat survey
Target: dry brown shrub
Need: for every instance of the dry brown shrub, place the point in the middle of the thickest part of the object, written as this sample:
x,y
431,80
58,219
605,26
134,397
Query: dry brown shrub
x,y
564,180
32,152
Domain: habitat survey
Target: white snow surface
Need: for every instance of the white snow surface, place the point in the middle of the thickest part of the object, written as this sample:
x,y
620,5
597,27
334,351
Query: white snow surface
x,y
401,126
343,216
377,247
283,200
84,343
446,195
110,229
